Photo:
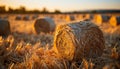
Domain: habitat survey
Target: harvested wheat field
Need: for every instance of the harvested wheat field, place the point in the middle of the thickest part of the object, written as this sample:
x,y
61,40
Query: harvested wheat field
x,y
37,42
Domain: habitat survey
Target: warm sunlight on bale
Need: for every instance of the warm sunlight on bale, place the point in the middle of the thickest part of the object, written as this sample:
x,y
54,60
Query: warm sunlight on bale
x,y
4,27
79,17
18,17
79,40
45,25
70,18
99,19
26,18
87,16
115,21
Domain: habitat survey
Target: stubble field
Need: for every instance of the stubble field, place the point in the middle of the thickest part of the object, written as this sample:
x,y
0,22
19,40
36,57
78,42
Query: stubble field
x,y
24,49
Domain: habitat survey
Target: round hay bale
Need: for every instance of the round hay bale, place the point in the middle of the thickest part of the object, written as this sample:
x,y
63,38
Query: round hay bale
x,y
79,40
80,17
45,25
114,21
6,17
99,19
70,18
87,16
35,17
4,27
91,16
83,16
26,18
18,17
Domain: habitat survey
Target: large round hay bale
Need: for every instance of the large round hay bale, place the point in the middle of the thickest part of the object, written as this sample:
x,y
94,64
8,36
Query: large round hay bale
x,y
79,40
18,17
99,19
70,18
115,21
45,25
4,27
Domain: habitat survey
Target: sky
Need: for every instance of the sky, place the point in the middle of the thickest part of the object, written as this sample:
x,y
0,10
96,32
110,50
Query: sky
x,y
63,5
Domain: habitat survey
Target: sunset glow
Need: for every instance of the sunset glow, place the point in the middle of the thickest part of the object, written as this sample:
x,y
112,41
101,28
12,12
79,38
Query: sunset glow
x,y
63,5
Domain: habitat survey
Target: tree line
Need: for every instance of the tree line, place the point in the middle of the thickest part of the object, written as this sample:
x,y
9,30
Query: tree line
x,y
22,10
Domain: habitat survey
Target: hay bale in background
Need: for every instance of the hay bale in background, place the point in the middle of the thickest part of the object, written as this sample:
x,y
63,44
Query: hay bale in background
x,y
79,40
70,18
35,17
0,17
45,25
6,17
26,18
83,16
4,27
18,17
114,21
87,16
79,17
99,19
91,16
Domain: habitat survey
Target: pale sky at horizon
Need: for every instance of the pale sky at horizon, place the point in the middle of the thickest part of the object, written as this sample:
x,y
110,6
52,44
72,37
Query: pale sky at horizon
x,y
63,5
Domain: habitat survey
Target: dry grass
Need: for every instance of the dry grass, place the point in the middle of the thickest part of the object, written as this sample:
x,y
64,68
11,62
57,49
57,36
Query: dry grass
x,y
24,50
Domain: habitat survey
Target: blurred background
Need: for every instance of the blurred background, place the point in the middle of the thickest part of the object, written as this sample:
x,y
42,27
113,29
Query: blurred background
x,y
58,6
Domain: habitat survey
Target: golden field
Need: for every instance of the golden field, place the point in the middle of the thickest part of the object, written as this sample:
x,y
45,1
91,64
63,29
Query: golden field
x,y
24,49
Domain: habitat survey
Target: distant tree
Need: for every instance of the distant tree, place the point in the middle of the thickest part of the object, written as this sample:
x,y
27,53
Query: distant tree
x,y
44,10
22,9
36,11
2,9
10,10
57,11
94,11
